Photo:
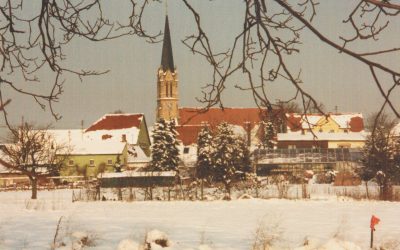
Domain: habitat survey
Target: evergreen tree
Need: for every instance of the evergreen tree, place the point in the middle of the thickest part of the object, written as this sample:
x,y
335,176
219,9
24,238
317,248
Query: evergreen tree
x,y
172,160
242,157
381,160
230,156
204,150
165,152
269,135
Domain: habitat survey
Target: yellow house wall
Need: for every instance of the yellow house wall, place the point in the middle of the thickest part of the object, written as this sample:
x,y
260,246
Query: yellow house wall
x,y
327,125
83,161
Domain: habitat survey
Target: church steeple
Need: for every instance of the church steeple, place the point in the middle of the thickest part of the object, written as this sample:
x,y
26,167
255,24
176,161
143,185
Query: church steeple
x,y
167,81
167,59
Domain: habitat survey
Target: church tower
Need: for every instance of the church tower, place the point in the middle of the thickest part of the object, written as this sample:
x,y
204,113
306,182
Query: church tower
x,y
167,81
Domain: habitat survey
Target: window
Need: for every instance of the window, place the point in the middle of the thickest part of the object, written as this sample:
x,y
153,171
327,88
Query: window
x,y
91,162
186,150
291,146
332,131
346,131
109,162
71,162
170,89
166,89
344,145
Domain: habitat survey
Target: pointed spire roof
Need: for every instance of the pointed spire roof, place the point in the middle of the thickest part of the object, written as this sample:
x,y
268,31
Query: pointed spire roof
x,y
167,59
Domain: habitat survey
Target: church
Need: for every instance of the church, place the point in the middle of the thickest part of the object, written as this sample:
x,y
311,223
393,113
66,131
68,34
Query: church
x,y
190,121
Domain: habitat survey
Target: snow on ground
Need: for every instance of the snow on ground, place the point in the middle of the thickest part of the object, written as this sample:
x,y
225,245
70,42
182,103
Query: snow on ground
x,y
328,224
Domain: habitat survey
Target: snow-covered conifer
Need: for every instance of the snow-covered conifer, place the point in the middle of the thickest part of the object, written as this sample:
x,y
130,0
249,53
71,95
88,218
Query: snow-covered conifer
x,y
269,135
204,150
229,155
381,160
172,160
165,152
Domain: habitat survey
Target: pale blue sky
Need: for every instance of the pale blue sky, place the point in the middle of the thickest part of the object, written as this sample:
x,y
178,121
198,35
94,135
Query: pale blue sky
x,y
334,79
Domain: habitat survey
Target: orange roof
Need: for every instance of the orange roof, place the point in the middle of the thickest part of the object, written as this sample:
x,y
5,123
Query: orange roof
x,y
116,121
188,134
191,120
215,116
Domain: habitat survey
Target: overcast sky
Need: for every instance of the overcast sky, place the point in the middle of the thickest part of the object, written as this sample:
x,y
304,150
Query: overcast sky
x,y
334,79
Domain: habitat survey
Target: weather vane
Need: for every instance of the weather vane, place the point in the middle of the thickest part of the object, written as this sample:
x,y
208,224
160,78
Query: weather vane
x,y
166,7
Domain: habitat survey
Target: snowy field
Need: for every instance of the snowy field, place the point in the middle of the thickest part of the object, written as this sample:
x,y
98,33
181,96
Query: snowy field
x,y
325,223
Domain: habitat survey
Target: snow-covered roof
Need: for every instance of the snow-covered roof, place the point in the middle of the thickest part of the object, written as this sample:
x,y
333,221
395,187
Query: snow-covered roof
x,y
137,174
322,136
129,134
352,121
79,142
116,127
66,136
136,155
97,148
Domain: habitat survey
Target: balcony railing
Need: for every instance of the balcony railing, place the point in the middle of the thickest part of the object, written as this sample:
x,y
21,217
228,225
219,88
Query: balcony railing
x,y
306,155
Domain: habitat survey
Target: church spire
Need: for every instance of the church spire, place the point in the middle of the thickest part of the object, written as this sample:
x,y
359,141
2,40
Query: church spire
x,y
167,59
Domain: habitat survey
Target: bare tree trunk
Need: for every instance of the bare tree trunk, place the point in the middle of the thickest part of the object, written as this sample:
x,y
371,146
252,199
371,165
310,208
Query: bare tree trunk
x,y
228,190
120,194
34,187
130,194
366,189
202,189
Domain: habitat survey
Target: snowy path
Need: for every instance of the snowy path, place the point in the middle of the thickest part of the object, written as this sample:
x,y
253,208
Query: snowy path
x,y
219,224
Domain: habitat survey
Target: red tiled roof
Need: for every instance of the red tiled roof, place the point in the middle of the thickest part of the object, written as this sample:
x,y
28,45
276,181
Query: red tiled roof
x,y
188,134
215,116
116,121
191,120
293,122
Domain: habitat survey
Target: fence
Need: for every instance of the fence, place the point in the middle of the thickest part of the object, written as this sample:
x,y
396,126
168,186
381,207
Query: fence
x,y
243,190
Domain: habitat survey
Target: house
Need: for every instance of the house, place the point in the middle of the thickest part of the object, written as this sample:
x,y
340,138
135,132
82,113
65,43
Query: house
x,y
89,158
330,123
338,130
114,139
